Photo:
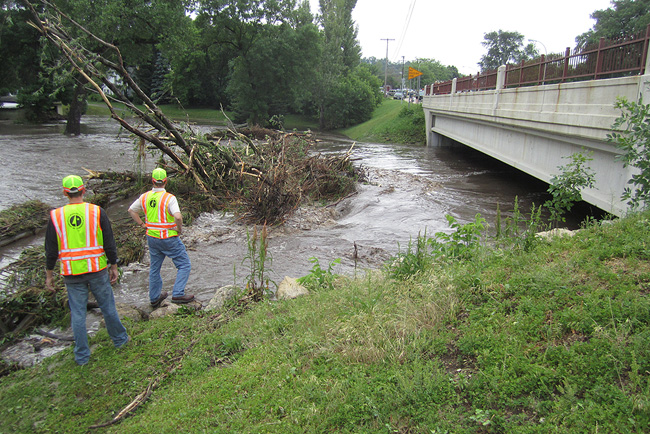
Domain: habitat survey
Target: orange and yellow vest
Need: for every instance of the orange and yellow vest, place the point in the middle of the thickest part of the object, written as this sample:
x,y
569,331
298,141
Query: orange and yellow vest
x,y
157,218
80,238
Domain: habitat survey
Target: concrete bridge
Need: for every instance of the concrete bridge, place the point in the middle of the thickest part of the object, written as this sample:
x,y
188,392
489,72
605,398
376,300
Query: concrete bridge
x,y
533,128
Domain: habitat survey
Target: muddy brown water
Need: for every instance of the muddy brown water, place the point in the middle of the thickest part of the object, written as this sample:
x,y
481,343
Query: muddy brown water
x,y
409,189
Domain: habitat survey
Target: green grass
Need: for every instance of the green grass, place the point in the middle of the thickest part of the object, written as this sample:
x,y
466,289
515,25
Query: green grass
x,y
386,124
387,111
553,339
394,122
203,115
200,115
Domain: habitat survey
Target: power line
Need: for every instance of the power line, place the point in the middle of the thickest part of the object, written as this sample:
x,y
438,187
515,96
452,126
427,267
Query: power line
x,y
405,29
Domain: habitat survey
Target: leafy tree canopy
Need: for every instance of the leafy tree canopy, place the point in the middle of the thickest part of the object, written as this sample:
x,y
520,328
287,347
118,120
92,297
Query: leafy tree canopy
x,y
625,18
503,48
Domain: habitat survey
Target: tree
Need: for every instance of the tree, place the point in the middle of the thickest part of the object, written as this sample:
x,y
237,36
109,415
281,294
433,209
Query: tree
x,y
432,70
141,28
340,80
273,45
200,69
343,49
631,135
624,19
352,99
503,48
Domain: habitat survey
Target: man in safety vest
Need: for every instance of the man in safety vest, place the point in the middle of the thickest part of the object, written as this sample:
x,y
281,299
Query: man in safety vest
x,y
80,236
164,224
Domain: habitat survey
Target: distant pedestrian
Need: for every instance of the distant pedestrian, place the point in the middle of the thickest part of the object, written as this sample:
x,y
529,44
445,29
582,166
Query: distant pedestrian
x,y
164,224
80,236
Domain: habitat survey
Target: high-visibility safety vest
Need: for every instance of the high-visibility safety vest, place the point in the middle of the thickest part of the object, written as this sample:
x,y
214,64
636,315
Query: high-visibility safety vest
x,y
80,237
157,217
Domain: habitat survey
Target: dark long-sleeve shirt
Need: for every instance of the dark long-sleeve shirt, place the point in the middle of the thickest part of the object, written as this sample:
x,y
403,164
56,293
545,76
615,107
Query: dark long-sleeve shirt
x,y
52,243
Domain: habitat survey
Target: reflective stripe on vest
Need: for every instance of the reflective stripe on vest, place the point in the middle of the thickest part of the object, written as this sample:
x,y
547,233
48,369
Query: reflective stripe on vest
x,y
80,238
157,217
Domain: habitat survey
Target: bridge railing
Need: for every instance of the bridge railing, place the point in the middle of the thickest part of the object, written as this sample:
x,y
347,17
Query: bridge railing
x,y
606,59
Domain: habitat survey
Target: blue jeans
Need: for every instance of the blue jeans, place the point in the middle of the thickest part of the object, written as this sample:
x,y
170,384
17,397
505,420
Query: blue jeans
x,y
174,248
99,284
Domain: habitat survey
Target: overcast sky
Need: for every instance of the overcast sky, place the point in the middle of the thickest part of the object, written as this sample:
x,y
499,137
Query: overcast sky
x,y
451,31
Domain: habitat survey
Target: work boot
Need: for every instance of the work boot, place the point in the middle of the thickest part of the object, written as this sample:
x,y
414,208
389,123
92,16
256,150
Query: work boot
x,y
183,299
155,304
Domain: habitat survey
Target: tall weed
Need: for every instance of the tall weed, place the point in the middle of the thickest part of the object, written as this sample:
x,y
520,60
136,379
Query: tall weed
x,y
258,259
319,279
517,231
461,243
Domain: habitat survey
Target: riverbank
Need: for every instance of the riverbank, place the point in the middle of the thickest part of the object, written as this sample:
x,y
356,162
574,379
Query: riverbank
x,y
552,338
392,122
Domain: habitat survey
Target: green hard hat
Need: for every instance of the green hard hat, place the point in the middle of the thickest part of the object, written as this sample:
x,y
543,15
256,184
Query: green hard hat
x,y
73,184
159,174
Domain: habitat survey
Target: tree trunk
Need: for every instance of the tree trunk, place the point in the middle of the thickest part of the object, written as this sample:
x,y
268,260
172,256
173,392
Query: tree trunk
x,y
77,105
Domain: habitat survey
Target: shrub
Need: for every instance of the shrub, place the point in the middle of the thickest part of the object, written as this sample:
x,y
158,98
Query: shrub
x,y
634,143
567,186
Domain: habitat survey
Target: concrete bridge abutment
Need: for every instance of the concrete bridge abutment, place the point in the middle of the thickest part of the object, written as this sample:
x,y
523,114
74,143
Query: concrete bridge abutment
x,y
537,128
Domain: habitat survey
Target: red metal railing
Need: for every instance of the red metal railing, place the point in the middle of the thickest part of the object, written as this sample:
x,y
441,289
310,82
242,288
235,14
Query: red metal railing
x,y
606,59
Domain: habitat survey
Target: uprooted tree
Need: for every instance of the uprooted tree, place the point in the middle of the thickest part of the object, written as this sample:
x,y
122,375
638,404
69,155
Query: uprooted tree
x,y
261,174
265,179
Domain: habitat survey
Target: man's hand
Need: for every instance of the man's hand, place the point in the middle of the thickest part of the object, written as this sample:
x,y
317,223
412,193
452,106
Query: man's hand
x,y
49,281
113,273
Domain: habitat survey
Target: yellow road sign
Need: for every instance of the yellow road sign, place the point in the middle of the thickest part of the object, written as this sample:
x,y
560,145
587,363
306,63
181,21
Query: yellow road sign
x,y
414,73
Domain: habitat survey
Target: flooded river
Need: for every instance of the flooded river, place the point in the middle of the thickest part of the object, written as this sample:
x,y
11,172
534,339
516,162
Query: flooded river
x,y
409,189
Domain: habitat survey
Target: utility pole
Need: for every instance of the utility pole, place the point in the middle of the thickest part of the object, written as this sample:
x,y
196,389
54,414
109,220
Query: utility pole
x,y
386,66
403,82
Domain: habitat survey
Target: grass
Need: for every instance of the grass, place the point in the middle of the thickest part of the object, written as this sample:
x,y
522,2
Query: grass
x,y
386,124
393,121
552,339
205,116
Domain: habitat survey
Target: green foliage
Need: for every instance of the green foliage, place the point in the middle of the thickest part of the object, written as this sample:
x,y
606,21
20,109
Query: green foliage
x,y
352,99
503,48
516,231
19,50
556,339
461,243
319,279
30,217
566,188
259,260
624,18
417,258
432,70
632,138
408,127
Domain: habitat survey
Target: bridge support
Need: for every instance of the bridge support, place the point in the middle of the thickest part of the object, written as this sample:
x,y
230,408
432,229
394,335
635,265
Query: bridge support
x,y
536,128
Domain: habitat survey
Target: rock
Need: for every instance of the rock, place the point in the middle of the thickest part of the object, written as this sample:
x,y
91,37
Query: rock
x,y
132,312
557,232
222,295
168,308
290,288
164,310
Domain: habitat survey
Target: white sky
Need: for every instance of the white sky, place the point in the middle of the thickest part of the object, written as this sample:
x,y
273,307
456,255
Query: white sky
x,y
451,31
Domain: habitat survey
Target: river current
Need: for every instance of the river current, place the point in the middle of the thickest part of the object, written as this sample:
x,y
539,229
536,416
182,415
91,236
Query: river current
x,y
409,189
